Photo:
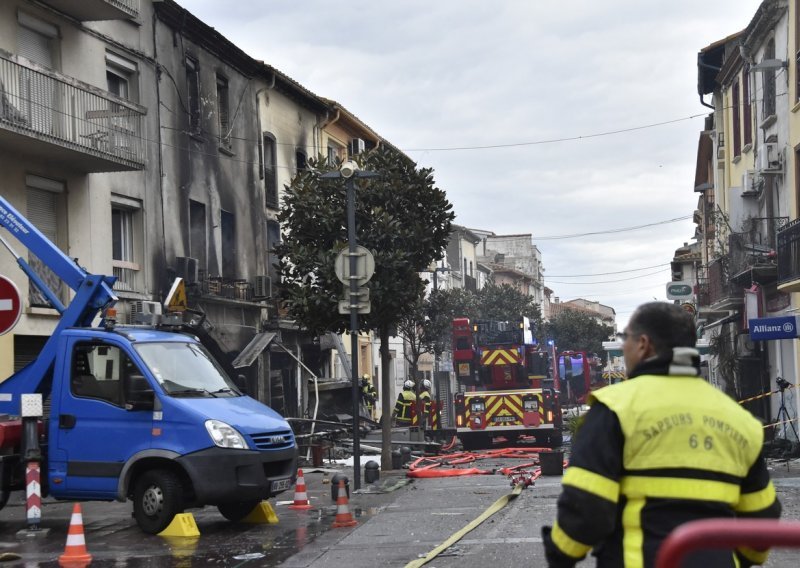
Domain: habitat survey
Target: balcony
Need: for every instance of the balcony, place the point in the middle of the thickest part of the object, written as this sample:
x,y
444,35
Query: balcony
x,y
92,10
752,254
70,123
789,257
722,293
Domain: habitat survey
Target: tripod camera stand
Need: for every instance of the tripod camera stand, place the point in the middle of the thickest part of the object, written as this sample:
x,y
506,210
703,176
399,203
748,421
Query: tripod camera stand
x,y
783,414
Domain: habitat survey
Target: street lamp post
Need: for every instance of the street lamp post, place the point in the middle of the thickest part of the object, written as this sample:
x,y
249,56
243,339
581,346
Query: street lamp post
x,y
349,171
436,271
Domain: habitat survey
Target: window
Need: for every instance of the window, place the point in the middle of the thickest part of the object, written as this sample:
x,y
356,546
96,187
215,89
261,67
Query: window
x,y
43,197
122,77
228,234
193,94
797,50
768,77
223,116
270,171
102,372
124,232
737,141
37,41
747,114
465,267
197,237
334,153
273,239
301,160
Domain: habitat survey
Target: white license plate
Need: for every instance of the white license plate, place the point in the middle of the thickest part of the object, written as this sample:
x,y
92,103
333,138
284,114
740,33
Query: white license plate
x,y
280,485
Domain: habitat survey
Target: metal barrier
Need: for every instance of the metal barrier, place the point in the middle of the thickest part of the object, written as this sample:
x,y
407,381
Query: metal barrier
x,y
726,533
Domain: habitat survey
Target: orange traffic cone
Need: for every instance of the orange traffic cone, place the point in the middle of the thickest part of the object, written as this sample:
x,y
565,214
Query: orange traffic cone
x,y
343,516
75,553
300,495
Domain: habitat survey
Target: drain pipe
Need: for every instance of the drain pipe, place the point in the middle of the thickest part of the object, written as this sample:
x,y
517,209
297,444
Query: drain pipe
x,y
316,394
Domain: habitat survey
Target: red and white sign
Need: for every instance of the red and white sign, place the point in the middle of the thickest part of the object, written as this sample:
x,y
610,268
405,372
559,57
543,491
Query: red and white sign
x,y
10,305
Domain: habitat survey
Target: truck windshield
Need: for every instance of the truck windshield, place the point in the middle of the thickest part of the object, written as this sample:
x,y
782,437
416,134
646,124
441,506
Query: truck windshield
x,y
186,369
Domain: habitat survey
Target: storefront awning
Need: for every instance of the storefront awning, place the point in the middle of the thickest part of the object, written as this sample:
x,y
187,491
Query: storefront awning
x,y
253,349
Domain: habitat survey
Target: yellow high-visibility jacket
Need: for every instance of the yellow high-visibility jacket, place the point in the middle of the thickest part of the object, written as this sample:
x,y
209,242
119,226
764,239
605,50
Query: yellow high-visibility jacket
x,y
402,408
655,452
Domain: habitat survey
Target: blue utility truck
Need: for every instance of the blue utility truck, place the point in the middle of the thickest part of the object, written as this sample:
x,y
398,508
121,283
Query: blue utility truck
x,y
135,412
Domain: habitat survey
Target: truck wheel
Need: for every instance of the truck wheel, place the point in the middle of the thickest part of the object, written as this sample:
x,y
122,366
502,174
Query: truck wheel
x,y
235,512
157,498
4,498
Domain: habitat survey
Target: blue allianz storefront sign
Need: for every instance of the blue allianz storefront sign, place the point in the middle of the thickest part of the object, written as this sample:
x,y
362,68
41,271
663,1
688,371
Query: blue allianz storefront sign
x,y
773,328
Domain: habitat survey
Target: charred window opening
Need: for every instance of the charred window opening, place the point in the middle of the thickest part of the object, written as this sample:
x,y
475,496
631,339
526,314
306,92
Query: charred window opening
x,y
193,94
228,234
273,239
270,171
301,159
746,108
223,116
197,236
737,144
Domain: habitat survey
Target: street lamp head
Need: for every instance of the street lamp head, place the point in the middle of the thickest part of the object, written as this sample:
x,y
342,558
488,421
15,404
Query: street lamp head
x,y
348,169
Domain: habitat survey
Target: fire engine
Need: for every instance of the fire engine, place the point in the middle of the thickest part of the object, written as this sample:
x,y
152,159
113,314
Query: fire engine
x,y
579,373
505,382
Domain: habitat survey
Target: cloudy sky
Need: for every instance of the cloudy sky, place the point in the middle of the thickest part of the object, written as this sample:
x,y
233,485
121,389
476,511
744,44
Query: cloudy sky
x,y
553,119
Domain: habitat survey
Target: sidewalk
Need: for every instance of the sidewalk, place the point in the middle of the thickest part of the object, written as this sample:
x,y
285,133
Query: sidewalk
x,y
399,527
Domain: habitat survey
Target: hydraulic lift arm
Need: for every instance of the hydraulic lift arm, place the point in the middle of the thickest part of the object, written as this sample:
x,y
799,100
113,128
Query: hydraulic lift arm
x,y
93,294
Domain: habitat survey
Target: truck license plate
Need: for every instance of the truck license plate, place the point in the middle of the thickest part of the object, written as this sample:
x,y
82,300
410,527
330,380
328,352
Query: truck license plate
x,y
280,485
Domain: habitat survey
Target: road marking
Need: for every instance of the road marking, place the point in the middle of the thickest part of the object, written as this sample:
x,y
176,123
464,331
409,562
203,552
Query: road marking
x,y
526,539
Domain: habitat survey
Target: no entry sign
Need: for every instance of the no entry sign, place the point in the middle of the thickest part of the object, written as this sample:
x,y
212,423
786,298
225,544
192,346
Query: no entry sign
x,y
10,305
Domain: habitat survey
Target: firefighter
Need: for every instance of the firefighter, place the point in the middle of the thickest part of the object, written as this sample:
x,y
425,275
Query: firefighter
x,y
660,449
368,394
404,407
425,403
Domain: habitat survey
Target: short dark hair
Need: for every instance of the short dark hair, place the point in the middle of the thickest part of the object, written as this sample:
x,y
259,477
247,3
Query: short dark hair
x,y
667,326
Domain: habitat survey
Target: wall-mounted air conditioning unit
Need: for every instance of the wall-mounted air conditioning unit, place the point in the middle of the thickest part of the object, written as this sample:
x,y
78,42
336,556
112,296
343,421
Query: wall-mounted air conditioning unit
x,y
770,158
142,311
357,145
262,287
186,268
751,184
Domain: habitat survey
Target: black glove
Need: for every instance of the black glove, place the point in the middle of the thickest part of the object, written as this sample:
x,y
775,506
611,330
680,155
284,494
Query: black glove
x,y
555,558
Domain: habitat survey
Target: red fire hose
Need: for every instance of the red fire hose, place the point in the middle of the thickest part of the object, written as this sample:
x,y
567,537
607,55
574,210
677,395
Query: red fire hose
x,y
726,533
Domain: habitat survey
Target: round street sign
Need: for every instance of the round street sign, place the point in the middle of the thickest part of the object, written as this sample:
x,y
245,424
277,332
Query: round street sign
x,y
687,307
365,265
10,305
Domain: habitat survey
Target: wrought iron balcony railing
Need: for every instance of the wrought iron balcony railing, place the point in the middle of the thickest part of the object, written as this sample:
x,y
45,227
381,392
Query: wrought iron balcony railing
x,y
789,252
54,108
720,287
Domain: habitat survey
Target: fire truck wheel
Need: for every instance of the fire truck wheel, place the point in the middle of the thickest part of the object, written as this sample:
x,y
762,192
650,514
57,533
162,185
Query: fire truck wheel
x,y
235,512
157,498
4,498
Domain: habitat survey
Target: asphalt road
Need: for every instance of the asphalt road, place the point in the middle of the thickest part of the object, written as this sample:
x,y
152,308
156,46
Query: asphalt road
x,y
398,522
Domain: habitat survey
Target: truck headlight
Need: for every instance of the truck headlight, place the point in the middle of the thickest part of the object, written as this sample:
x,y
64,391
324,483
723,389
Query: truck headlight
x,y
225,436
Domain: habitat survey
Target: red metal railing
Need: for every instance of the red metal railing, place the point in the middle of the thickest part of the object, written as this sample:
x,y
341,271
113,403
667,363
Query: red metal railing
x,y
726,533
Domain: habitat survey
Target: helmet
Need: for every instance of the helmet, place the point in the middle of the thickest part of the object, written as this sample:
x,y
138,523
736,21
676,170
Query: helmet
x,y
364,379
408,385
426,385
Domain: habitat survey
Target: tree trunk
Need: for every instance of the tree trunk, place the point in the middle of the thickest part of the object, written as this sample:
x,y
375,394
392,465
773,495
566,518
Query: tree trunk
x,y
387,402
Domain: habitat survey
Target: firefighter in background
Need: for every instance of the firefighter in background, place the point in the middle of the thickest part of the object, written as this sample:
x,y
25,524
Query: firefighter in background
x,y
368,395
425,404
404,407
658,450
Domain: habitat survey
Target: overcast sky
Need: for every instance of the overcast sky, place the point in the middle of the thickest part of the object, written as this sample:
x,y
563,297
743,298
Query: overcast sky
x,y
518,105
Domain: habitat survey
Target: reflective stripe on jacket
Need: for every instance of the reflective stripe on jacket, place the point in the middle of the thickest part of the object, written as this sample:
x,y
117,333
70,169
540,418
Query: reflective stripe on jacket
x,y
655,452
402,408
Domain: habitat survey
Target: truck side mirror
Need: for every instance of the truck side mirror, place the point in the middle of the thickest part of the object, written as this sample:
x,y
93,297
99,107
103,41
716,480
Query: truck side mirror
x,y
139,395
